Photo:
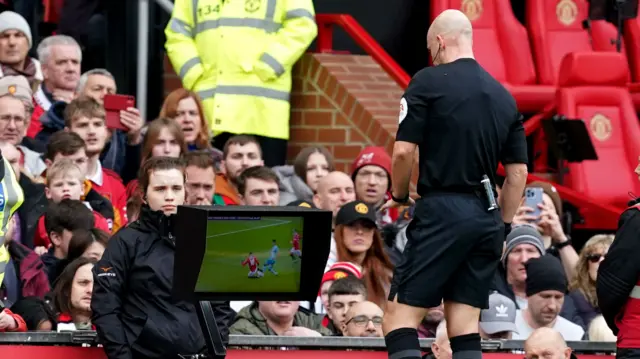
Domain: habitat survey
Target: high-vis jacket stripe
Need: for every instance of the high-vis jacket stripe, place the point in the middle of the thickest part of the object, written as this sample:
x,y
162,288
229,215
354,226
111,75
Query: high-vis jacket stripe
x,y
245,90
11,197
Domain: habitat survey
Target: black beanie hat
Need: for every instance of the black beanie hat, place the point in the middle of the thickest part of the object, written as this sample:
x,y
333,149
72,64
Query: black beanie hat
x,y
545,273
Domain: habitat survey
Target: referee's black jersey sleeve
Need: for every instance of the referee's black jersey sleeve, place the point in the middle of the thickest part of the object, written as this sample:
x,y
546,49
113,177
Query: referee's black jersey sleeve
x,y
514,149
413,111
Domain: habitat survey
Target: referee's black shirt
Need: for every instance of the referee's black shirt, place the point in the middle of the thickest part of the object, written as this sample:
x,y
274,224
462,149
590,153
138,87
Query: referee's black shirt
x,y
464,122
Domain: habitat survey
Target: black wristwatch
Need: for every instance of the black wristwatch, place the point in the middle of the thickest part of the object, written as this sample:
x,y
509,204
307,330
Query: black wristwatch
x,y
564,244
403,200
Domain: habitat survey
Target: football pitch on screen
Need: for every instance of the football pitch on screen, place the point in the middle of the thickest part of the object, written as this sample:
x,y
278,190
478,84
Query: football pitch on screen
x,y
228,245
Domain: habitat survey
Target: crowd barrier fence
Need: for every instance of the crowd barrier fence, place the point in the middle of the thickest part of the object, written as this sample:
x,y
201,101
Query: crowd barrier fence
x,y
82,345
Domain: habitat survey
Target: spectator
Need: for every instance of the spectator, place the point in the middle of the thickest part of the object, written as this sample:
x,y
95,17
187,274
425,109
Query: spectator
x,y
247,90
334,190
15,43
72,296
300,181
70,146
599,331
499,320
371,174
121,153
164,138
259,186
239,153
60,57
24,275
523,243
583,284
10,322
547,343
364,319
15,109
359,241
549,224
336,271
88,244
343,294
135,277
65,180
61,219
35,201
546,287
440,347
201,178
430,322
278,318
86,118
37,314
185,107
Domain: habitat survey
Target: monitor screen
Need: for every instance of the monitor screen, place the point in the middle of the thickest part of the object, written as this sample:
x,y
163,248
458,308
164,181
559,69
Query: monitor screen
x,y
252,253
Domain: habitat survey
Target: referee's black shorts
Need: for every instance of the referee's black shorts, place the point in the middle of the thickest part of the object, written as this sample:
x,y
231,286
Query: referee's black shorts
x,y
453,249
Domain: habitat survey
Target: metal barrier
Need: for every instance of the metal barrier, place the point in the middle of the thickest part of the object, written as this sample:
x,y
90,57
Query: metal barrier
x,y
88,338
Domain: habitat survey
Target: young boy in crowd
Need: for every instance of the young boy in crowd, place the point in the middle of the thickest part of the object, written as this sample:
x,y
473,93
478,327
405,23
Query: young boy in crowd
x,y
86,117
60,220
69,145
65,180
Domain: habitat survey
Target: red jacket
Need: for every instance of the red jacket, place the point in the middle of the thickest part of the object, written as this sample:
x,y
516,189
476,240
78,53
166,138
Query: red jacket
x,y
41,237
39,102
113,190
22,326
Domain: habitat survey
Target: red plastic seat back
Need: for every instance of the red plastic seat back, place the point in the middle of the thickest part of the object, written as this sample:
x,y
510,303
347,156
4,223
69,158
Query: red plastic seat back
x,y
632,42
500,42
601,99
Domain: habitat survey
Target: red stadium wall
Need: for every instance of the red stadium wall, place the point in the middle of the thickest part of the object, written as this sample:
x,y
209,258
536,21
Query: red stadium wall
x,y
97,353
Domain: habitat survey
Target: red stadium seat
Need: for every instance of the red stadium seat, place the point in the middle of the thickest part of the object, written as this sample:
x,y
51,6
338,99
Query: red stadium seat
x,y
501,46
632,39
601,99
556,29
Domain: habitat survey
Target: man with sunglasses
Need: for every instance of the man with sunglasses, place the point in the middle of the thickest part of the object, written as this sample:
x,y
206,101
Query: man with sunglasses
x,y
618,284
464,123
364,319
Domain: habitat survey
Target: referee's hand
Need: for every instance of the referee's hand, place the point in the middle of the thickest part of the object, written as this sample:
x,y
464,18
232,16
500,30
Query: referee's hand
x,y
393,204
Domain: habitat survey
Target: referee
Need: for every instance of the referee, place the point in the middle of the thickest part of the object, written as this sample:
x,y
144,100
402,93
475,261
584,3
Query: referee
x,y
464,122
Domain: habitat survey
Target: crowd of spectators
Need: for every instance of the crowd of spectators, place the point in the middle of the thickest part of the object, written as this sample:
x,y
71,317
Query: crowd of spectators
x,y
79,180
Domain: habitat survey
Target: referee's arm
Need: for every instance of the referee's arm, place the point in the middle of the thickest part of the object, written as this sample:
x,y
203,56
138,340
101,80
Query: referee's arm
x,y
413,116
514,159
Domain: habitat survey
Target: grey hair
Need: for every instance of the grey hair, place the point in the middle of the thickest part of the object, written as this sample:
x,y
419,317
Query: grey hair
x,y
85,77
44,48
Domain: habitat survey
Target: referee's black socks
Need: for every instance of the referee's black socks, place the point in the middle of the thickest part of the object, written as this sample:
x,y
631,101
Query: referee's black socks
x,y
466,346
403,343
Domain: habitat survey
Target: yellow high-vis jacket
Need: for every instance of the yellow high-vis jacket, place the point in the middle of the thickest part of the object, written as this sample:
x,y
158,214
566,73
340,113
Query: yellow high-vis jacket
x,y
237,55
11,198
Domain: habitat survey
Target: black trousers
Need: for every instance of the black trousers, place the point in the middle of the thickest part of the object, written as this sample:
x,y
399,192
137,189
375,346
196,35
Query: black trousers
x,y
274,150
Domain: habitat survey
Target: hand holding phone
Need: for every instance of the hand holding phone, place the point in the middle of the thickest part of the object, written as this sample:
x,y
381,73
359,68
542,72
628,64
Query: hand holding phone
x,y
113,104
533,198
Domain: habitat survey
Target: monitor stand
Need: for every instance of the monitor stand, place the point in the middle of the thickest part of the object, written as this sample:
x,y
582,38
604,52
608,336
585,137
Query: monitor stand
x,y
210,331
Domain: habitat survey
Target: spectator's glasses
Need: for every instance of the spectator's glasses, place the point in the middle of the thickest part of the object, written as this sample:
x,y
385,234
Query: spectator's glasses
x,y
363,320
595,258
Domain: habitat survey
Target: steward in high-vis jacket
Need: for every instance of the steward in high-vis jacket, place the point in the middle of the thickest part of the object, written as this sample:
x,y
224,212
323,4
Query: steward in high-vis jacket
x,y
618,284
237,55
132,305
11,198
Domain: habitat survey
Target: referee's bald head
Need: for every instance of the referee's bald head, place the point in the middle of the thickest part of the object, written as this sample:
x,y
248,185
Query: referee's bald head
x,y
450,37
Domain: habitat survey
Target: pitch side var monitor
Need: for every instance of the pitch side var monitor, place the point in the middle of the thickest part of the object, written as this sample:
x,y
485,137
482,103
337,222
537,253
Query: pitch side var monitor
x,y
250,253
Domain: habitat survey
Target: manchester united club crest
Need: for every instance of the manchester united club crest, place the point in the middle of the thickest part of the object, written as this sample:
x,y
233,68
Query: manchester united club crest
x,y
566,12
600,127
471,8
252,5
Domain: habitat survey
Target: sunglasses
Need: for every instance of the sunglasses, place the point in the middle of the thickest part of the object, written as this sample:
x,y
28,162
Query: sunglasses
x,y
594,258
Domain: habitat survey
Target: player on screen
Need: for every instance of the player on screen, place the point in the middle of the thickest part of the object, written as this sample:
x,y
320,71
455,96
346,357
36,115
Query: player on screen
x,y
271,261
253,264
295,252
